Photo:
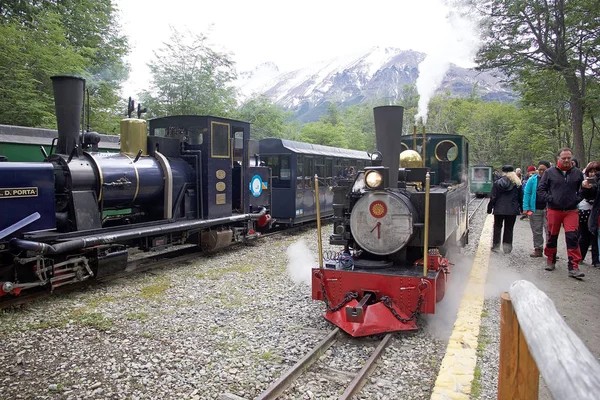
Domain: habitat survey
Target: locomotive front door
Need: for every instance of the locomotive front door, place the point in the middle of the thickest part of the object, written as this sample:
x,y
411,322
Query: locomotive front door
x,y
219,174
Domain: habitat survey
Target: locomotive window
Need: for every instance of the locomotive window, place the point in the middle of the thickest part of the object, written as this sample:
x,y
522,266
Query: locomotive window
x,y
446,150
161,132
219,140
300,173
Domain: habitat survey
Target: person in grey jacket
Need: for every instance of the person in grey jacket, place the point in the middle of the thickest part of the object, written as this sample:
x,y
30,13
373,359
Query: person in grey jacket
x,y
505,204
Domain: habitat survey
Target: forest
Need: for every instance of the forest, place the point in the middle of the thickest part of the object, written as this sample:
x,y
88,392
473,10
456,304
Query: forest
x,y
549,51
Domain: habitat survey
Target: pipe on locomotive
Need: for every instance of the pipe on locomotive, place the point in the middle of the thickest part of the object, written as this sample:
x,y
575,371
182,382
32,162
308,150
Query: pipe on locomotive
x,y
68,102
89,241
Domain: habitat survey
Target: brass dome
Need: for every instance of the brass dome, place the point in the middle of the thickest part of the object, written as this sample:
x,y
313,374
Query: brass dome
x,y
410,159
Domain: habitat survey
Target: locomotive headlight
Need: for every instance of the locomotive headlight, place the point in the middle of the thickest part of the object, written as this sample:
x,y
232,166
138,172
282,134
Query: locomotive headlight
x,y
373,179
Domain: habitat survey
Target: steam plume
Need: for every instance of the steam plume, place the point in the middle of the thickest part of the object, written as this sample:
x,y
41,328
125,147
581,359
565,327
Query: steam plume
x,y
459,40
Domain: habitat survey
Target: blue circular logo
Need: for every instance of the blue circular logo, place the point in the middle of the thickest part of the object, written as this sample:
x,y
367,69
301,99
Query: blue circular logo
x,y
256,186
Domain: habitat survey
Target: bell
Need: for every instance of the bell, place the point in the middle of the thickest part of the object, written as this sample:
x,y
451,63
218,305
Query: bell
x,y
410,159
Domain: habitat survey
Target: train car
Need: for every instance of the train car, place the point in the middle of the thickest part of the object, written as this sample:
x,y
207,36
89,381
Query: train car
x,y
19,143
293,167
191,181
482,180
394,223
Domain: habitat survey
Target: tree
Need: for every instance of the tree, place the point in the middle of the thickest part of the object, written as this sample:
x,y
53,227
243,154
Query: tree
x,y
267,119
45,38
188,77
31,52
542,35
323,133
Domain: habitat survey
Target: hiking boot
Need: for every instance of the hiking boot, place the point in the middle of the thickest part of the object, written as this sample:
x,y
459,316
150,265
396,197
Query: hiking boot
x,y
576,273
550,266
596,265
536,253
495,248
507,248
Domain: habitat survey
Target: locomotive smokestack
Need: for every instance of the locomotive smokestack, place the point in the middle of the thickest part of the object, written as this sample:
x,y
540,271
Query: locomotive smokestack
x,y
388,130
68,100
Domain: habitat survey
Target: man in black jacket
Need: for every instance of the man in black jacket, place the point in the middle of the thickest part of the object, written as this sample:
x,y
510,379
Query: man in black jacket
x,y
559,187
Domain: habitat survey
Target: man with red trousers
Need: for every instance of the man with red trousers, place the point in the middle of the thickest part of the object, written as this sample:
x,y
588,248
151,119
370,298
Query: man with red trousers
x,y
559,187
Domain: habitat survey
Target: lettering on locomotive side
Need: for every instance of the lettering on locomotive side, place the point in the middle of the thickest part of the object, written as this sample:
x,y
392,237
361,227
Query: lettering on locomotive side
x,y
7,193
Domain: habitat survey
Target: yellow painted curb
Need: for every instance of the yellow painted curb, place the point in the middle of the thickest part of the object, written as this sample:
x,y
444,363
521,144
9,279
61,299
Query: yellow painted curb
x,y
458,366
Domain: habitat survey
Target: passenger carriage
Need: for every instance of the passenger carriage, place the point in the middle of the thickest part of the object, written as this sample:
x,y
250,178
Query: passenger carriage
x,y
293,168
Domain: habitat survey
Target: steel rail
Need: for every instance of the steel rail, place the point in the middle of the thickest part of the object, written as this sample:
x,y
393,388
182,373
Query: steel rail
x,y
476,208
279,386
358,382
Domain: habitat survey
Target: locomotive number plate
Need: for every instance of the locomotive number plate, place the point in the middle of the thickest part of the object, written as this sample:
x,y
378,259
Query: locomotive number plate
x,y
18,192
220,199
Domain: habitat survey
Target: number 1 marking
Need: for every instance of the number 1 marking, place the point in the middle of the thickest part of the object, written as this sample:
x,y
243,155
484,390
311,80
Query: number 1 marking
x,y
378,227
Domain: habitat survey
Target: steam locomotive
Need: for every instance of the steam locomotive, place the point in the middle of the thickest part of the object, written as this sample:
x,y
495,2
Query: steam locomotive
x,y
395,221
193,179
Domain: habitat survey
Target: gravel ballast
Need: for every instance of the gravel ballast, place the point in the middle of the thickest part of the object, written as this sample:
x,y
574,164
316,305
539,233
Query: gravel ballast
x,y
230,322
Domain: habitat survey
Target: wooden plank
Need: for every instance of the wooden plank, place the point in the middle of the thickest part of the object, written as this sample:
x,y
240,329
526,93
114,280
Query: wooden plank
x,y
518,376
567,366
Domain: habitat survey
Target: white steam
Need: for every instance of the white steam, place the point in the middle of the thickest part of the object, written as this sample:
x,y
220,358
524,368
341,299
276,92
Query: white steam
x,y
300,262
459,40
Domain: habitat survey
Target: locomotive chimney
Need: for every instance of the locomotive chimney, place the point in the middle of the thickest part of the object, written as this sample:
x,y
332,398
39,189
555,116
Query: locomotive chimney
x,y
388,131
68,100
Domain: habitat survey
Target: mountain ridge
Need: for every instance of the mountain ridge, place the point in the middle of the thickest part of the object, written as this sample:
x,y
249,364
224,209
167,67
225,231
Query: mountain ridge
x,y
375,73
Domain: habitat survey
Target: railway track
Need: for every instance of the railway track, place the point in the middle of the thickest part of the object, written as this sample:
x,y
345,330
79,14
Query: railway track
x,y
285,381
474,204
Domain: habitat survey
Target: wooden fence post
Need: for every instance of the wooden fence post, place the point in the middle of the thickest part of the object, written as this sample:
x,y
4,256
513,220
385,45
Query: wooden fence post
x,y
518,375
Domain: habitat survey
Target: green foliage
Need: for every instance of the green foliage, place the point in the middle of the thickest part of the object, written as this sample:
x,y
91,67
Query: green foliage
x,y
45,38
267,119
539,41
188,77
30,53
323,133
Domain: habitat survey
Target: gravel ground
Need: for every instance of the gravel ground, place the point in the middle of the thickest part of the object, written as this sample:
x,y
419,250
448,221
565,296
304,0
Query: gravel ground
x,y
577,301
231,322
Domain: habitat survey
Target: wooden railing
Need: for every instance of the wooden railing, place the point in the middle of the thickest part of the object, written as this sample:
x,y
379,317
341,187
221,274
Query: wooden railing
x,y
533,336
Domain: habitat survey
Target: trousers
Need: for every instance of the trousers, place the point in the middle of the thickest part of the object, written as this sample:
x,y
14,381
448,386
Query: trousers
x,y
570,221
509,224
538,224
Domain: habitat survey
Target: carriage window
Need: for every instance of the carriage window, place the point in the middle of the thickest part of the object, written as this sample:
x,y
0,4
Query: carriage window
x,y
280,170
337,167
309,172
161,132
300,173
219,140
320,170
329,170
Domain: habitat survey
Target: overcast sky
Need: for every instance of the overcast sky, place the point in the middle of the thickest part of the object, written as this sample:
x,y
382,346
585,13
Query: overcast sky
x,y
292,35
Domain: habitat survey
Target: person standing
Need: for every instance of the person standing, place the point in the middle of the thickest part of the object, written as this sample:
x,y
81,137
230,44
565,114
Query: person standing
x,y
588,236
536,209
505,204
559,188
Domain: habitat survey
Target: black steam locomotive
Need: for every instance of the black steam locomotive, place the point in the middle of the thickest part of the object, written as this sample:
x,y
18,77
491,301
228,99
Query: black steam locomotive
x,y
193,179
394,222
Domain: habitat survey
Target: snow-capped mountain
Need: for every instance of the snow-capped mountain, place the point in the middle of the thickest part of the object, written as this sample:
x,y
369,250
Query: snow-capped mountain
x,y
378,73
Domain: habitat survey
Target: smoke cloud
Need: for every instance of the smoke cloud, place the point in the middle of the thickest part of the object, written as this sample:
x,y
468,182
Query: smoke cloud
x,y
300,262
459,40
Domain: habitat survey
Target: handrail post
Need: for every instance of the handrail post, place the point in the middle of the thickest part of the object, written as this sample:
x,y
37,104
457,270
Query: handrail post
x,y
518,375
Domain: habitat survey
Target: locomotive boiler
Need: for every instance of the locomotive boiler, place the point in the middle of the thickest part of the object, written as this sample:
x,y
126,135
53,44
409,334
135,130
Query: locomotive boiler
x,y
395,222
191,180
